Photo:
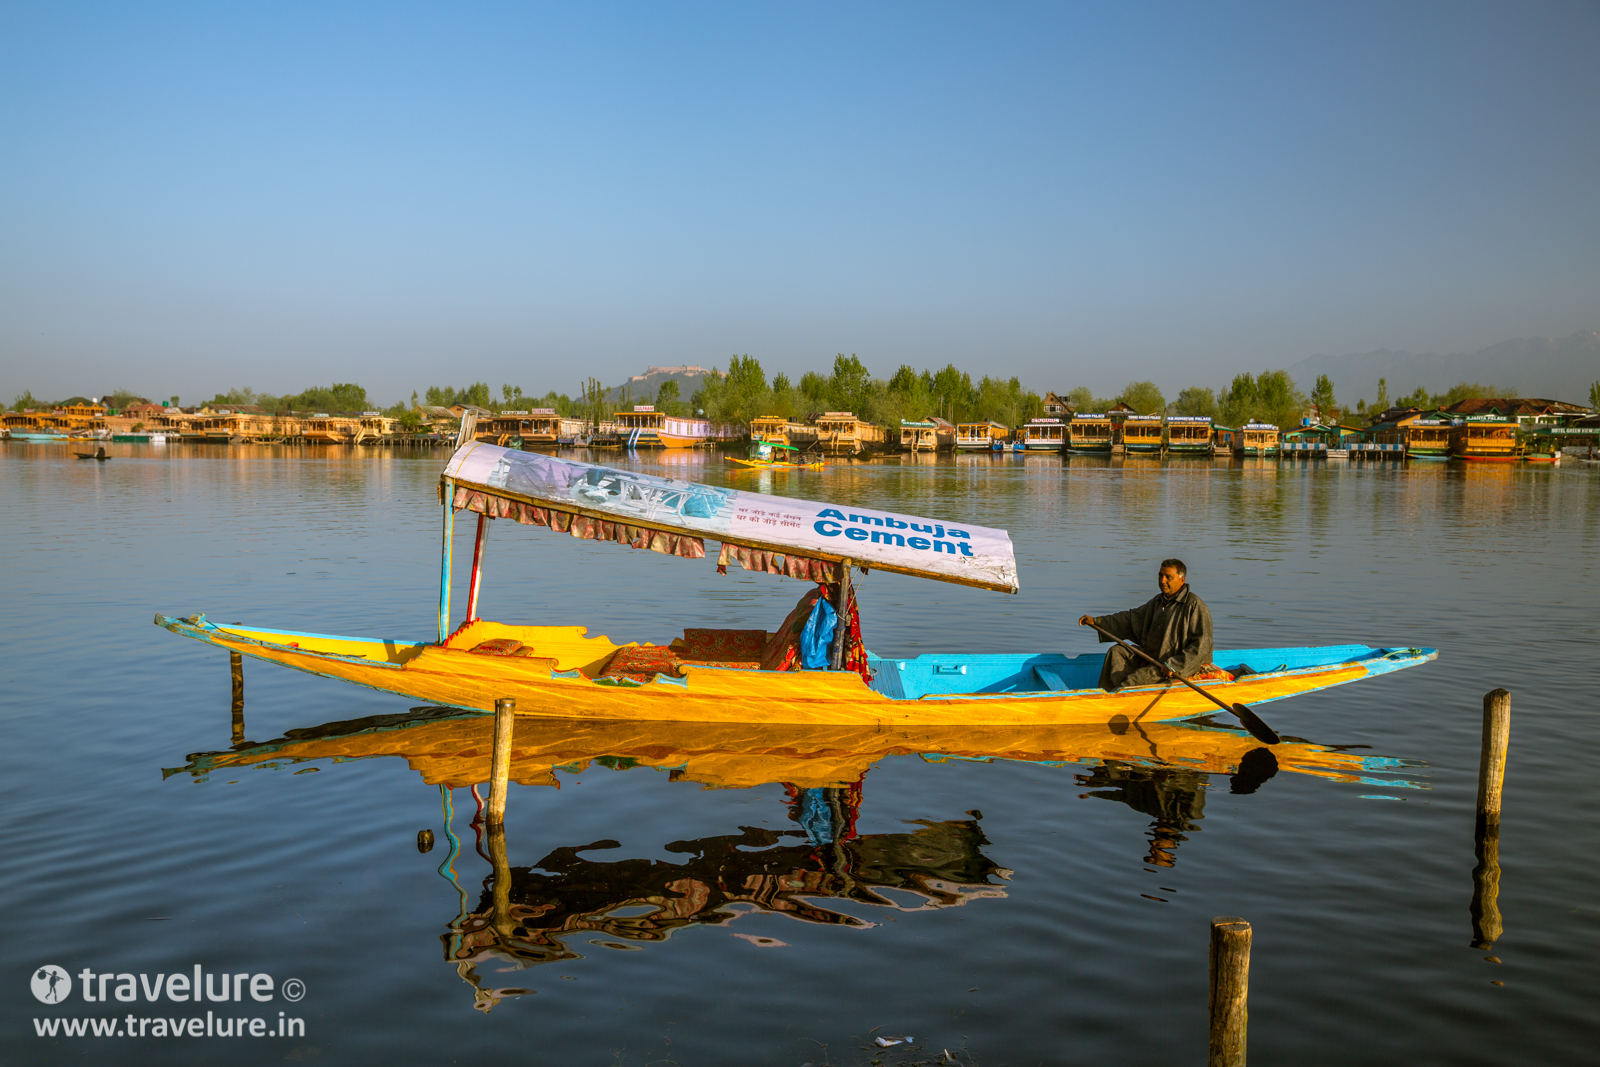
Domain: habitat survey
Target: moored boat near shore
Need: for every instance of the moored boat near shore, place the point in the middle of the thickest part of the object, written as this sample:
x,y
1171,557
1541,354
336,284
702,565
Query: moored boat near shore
x,y
981,436
1090,433
1259,439
645,427
1044,435
1189,435
1476,440
1143,433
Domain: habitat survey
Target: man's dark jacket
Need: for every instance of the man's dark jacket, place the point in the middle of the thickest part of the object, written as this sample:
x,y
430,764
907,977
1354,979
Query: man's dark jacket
x,y
1174,629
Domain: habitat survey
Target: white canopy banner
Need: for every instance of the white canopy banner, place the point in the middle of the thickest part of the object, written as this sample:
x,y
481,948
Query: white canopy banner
x,y
947,548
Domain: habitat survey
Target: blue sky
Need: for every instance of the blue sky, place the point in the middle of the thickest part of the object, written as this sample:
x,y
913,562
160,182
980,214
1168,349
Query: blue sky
x,y
198,196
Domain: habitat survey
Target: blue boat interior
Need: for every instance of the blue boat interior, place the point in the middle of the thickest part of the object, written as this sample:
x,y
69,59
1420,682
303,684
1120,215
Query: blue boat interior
x,y
939,674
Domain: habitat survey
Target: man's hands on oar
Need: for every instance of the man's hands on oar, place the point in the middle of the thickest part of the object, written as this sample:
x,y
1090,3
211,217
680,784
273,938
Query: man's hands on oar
x,y
1251,721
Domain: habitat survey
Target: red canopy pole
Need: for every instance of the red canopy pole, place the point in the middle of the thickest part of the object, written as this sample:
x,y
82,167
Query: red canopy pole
x,y
477,567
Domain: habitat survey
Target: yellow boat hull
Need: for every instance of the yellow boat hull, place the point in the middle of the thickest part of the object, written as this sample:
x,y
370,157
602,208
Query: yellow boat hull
x,y
561,681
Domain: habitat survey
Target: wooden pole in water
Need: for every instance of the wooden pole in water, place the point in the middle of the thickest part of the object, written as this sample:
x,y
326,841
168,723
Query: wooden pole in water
x,y
1230,988
477,567
841,623
236,664
1486,925
1492,759
500,772
449,486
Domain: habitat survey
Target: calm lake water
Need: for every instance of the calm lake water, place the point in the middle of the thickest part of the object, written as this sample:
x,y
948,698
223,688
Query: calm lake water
x,y
1024,912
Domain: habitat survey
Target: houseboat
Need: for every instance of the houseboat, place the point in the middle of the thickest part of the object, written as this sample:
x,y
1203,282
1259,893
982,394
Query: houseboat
x,y
1257,439
325,429
215,429
981,436
920,436
1310,441
1484,441
841,433
1090,434
1427,439
645,427
1188,435
770,428
34,426
1046,434
1142,433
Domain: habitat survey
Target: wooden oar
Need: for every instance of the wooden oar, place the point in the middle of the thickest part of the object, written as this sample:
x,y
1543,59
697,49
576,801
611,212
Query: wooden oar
x,y
1252,722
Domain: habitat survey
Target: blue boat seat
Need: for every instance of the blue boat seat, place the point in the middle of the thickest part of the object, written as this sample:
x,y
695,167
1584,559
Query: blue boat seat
x,y
1049,677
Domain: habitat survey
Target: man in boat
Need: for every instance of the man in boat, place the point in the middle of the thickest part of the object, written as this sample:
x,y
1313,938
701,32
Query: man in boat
x,y
1174,627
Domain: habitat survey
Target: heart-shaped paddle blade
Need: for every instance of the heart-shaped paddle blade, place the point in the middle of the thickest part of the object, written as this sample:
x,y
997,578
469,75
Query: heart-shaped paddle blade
x,y
1252,722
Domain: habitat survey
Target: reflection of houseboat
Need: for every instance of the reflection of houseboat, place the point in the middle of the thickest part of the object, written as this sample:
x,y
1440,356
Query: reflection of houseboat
x,y
1189,435
981,436
1484,441
1142,433
1045,434
841,433
645,427
1090,433
1257,439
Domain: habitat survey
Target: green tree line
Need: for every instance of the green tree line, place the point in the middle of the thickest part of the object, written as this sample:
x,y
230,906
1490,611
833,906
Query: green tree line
x,y
744,392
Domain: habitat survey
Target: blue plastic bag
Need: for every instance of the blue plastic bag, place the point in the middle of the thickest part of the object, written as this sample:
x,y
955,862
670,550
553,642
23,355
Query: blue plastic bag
x,y
816,640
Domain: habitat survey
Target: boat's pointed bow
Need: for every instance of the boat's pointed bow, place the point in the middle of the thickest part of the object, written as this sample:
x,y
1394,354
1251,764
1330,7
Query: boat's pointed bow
x,y
194,626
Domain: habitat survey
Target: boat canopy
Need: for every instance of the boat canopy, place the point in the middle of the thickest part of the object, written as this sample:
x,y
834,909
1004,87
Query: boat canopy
x,y
609,503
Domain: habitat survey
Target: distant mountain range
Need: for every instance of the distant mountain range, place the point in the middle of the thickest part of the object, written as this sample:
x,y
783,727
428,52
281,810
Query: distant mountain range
x,y
640,385
1550,368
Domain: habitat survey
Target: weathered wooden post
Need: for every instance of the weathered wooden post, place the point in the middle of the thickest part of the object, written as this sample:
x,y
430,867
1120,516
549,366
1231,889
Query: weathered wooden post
x,y
1486,925
841,623
500,770
1492,759
1230,989
236,663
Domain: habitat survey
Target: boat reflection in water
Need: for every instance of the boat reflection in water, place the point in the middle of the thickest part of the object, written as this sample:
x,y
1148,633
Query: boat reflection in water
x,y
535,914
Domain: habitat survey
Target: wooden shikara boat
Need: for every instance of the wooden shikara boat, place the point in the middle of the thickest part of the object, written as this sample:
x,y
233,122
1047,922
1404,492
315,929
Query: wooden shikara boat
x,y
770,455
752,676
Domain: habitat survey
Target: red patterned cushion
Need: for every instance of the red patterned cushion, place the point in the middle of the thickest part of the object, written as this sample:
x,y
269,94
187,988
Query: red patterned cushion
x,y
723,646
501,646
639,662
